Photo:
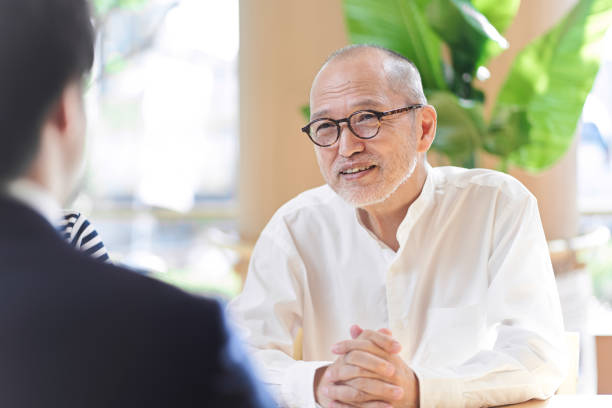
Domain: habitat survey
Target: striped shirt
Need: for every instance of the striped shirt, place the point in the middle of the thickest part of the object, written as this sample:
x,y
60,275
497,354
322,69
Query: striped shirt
x,y
79,233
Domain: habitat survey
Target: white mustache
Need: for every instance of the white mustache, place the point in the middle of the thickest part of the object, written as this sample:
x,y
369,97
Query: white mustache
x,y
362,158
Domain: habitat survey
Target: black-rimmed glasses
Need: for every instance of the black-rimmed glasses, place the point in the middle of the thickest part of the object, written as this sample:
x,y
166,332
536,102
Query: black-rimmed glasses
x,y
365,124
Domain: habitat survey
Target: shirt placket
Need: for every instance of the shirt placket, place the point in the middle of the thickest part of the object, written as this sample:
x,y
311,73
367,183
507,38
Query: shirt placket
x,y
399,288
401,278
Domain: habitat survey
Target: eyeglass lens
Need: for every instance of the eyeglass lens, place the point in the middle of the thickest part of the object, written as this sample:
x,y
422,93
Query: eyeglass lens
x,y
364,124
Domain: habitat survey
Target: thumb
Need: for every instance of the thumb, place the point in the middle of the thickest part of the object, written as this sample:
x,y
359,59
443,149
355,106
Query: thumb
x,y
356,331
386,331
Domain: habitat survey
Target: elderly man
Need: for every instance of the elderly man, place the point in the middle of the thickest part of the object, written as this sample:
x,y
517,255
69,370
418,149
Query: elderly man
x,y
413,285
76,332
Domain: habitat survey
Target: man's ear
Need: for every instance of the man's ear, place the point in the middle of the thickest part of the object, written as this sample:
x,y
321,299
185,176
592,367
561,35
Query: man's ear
x,y
429,119
66,114
57,117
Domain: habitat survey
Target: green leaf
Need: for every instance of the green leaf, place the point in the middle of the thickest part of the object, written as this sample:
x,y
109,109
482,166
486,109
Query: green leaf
x,y
550,79
500,13
400,26
459,129
507,132
467,33
305,109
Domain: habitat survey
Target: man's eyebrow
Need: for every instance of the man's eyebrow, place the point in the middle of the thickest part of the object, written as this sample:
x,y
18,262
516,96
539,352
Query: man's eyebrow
x,y
366,103
319,114
362,103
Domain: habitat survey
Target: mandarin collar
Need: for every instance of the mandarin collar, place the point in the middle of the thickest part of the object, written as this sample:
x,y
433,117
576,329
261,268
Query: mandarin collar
x,y
419,205
415,210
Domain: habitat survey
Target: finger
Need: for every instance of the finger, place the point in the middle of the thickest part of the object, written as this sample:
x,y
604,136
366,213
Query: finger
x,y
384,341
356,331
345,372
346,394
346,346
368,404
375,404
380,389
340,404
386,331
370,362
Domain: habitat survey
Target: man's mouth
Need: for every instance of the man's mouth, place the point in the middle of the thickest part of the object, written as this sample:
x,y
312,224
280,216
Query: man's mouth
x,y
354,170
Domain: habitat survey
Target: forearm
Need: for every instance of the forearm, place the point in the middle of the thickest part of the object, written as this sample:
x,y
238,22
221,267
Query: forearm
x,y
516,369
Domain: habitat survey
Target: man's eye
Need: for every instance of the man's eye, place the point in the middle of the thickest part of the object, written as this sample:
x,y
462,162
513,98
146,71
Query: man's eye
x,y
324,126
365,117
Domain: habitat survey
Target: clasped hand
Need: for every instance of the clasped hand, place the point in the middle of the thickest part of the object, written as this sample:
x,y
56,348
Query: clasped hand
x,y
368,373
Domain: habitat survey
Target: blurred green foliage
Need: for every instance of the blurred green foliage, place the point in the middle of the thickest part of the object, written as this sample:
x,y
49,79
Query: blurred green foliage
x,y
104,6
599,265
115,62
536,113
199,282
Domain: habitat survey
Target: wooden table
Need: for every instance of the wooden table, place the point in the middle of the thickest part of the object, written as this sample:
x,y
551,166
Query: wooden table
x,y
569,401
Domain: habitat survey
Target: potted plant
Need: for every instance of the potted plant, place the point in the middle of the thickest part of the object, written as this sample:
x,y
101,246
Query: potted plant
x,y
451,41
534,117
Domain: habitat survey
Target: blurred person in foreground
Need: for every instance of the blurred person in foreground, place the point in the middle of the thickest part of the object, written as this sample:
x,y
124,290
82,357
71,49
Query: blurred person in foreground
x,y
74,331
414,286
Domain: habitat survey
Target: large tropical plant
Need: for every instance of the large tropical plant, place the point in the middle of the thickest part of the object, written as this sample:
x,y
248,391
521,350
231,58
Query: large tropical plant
x,y
451,41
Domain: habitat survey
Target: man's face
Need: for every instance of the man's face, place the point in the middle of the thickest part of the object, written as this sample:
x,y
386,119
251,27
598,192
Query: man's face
x,y
363,172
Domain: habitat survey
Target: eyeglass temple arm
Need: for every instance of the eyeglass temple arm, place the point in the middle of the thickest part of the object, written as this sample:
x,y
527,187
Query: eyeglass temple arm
x,y
400,110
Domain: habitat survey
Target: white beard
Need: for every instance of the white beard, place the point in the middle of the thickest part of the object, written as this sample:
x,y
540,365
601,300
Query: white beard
x,y
399,167
358,202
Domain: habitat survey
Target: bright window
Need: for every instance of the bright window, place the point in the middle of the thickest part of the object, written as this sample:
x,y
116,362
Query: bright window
x,y
163,138
595,148
595,171
163,105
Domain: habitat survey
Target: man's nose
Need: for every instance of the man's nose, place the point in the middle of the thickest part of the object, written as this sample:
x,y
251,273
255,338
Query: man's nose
x,y
349,144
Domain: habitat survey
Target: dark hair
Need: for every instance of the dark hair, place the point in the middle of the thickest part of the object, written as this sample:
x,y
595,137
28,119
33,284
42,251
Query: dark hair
x,y
44,45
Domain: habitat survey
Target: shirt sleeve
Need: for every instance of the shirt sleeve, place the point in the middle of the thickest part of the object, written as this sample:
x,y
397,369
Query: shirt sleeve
x,y
82,235
268,314
233,381
528,358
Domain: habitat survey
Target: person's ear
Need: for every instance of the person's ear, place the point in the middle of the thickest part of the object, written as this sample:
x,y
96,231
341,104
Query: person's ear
x,y
428,123
66,118
57,117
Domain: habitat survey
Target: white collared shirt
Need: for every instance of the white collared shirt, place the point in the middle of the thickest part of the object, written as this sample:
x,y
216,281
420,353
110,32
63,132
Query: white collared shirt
x,y
35,197
470,294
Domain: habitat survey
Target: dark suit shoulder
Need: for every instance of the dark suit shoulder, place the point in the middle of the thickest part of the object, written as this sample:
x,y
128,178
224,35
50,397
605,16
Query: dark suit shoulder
x,y
84,333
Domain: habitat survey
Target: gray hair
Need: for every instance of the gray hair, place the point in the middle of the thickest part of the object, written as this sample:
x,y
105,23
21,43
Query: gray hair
x,y
401,73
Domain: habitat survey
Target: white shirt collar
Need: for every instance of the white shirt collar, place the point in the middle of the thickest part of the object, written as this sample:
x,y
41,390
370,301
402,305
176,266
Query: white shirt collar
x,y
36,198
415,209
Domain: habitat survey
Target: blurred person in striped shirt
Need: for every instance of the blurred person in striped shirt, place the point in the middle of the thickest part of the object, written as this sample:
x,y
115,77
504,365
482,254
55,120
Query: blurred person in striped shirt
x,y
78,232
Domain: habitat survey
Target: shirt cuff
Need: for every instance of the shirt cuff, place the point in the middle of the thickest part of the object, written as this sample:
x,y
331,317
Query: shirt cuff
x,y
439,392
298,388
